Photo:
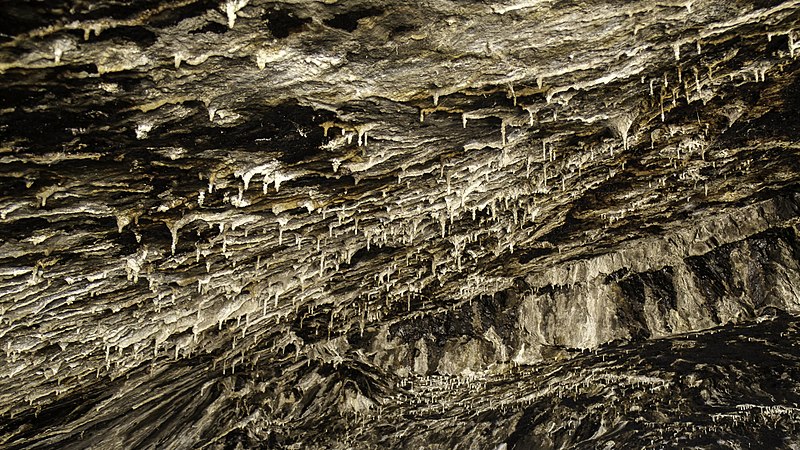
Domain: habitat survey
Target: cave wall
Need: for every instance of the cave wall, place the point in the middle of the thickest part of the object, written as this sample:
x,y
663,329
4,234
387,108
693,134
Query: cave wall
x,y
248,223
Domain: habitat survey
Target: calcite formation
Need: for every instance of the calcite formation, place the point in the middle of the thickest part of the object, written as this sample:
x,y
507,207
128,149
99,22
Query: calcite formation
x,y
445,224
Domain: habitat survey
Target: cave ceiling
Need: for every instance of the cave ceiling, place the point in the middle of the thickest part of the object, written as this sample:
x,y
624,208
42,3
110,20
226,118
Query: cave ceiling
x,y
387,224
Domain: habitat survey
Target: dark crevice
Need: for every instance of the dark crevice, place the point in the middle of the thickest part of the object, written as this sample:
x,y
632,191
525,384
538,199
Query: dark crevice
x,y
284,23
349,21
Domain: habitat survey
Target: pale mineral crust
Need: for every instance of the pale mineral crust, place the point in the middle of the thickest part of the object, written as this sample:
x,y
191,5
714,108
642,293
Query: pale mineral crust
x,y
442,224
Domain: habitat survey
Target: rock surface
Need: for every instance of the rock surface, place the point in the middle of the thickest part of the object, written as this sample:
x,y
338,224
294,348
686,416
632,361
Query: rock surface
x,y
362,224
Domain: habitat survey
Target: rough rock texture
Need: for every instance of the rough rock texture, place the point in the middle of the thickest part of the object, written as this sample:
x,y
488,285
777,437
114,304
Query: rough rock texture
x,y
363,224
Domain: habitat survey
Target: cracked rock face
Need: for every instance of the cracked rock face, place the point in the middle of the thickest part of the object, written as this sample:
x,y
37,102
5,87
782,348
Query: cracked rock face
x,y
359,224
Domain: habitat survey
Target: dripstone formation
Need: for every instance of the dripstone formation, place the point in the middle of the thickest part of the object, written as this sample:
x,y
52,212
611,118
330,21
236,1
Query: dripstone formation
x,y
358,224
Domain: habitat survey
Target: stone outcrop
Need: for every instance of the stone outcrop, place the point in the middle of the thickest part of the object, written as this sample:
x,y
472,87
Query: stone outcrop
x,y
362,224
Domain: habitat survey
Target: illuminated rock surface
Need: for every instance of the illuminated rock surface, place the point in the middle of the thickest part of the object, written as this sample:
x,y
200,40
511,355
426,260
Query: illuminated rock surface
x,y
361,224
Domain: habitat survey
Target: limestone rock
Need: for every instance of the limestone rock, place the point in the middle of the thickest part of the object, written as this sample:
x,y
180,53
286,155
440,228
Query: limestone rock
x,y
359,224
